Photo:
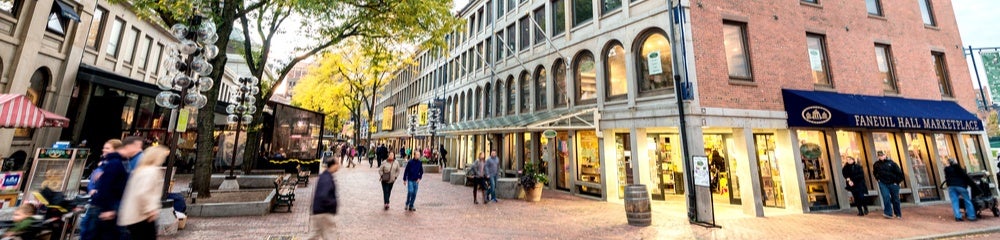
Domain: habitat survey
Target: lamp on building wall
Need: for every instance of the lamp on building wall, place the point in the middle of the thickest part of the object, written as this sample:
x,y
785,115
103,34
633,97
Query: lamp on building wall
x,y
188,69
241,112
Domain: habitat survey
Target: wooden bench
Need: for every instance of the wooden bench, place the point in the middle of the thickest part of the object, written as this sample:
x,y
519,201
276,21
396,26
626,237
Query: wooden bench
x,y
284,193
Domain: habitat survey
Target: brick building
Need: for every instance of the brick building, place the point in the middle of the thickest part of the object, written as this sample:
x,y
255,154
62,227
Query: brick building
x,y
779,93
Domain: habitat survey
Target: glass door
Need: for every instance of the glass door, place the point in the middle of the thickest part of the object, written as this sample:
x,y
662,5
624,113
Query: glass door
x,y
724,181
770,174
562,161
923,168
623,154
665,165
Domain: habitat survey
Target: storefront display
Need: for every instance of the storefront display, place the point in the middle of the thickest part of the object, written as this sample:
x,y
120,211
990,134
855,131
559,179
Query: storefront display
x,y
562,160
588,162
817,170
974,161
852,145
58,170
770,173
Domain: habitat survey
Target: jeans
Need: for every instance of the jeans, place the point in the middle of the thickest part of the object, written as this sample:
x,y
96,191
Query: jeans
x,y
970,210
142,230
859,200
88,224
492,192
890,199
411,193
386,191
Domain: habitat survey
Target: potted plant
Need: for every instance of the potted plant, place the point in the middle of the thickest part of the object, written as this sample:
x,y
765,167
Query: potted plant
x,y
533,181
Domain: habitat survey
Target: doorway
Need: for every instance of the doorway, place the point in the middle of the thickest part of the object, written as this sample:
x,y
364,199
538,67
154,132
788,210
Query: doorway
x,y
561,155
924,169
623,154
770,174
667,171
722,166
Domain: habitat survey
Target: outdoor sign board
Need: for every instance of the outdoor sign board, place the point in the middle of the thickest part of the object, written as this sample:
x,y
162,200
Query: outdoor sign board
x,y
701,174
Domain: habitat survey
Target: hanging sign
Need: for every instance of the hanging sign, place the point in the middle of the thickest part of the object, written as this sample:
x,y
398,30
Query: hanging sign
x,y
701,176
653,60
422,114
549,133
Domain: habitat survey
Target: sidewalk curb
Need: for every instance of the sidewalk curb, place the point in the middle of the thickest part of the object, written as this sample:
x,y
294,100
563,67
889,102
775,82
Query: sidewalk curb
x,y
957,234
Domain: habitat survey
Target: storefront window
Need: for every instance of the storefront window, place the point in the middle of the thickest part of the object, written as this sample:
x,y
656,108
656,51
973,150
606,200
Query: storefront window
x,y
974,160
586,77
945,147
588,161
770,173
36,93
922,167
562,160
724,181
816,169
886,142
623,154
665,165
852,146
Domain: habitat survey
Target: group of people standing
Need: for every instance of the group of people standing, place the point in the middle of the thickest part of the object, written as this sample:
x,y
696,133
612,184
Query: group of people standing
x,y
889,175
125,191
484,173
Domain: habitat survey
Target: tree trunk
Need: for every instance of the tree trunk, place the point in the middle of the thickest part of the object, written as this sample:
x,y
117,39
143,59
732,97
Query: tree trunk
x,y
206,116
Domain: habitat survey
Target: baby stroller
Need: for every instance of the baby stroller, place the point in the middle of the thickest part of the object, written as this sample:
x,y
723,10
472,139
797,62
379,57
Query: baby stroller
x,y
982,197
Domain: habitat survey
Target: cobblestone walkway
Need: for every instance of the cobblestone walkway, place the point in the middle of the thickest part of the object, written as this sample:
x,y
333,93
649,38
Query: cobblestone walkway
x,y
445,211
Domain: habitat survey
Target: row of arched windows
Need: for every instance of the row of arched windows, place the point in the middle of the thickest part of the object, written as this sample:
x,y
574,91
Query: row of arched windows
x,y
514,94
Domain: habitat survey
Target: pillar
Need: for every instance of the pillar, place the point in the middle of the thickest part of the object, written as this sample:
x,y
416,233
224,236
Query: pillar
x,y
793,183
609,166
747,170
519,151
640,158
836,164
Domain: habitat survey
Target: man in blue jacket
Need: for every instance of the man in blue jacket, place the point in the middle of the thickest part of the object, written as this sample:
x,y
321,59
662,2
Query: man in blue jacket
x,y
325,204
411,178
111,187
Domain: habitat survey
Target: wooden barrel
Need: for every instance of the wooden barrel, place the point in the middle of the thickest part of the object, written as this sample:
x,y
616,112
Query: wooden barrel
x,y
637,208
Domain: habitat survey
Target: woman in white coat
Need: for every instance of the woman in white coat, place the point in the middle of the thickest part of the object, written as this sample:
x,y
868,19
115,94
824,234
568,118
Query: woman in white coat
x,y
140,205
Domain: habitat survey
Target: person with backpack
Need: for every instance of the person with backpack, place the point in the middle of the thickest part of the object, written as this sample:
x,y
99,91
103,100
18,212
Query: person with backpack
x,y
889,175
387,176
958,185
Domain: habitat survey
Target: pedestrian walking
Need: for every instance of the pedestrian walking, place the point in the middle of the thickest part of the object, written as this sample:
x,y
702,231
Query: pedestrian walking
x,y
889,175
411,177
492,173
387,176
88,223
477,174
427,152
343,153
958,186
382,153
325,204
353,153
855,176
402,153
132,162
111,187
444,156
140,205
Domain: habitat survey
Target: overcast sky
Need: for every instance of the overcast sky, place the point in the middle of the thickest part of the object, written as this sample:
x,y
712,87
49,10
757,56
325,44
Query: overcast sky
x,y
977,23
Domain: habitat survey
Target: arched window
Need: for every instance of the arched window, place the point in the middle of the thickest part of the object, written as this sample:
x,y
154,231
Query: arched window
x,y
498,99
525,88
511,95
585,76
541,91
559,78
478,112
469,102
461,108
654,44
448,109
487,101
615,81
36,93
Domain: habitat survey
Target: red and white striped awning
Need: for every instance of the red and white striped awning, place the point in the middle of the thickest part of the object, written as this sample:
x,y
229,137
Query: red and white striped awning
x,y
17,111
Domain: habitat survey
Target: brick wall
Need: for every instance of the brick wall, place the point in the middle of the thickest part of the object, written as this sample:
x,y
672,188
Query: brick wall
x,y
777,30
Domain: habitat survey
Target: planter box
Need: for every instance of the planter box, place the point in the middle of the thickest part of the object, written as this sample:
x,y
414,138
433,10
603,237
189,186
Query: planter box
x,y
446,174
457,178
228,209
246,181
507,188
432,169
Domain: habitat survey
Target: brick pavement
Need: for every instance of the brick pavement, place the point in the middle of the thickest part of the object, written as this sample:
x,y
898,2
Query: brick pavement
x,y
445,211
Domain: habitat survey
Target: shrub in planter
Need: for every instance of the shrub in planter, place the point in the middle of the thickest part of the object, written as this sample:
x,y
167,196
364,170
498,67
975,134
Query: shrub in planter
x,y
532,181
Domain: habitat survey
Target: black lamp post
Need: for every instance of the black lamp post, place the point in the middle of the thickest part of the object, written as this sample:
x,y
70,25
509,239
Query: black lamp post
x,y
241,112
188,74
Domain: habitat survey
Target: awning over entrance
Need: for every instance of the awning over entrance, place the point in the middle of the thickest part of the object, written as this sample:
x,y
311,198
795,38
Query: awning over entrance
x,y
17,111
828,109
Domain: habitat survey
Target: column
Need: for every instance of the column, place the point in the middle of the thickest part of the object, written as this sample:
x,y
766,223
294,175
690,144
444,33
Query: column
x,y
640,158
748,173
609,166
793,182
535,150
836,164
519,151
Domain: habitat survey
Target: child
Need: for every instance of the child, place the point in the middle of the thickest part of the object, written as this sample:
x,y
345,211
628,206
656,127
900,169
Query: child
x,y
22,221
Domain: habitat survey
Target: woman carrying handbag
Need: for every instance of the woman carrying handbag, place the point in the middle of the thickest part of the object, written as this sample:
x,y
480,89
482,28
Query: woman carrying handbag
x,y
387,176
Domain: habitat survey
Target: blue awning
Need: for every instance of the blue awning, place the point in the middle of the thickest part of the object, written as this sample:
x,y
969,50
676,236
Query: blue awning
x,y
835,110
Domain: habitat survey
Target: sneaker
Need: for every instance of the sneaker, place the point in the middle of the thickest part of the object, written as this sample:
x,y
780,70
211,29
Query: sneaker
x,y
413,209
886,216
899,217
861,214
495,200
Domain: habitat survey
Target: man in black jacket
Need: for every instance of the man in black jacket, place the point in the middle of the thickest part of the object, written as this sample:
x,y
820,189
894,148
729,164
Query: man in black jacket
x,y
382,153
889,175
325,204
958,185
111,187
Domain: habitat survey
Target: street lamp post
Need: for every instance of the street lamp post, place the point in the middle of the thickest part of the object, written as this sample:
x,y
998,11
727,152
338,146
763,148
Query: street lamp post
x,y
241,112
188,74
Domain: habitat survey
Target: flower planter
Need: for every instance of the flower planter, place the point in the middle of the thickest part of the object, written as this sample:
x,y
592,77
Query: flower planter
x,y
534,194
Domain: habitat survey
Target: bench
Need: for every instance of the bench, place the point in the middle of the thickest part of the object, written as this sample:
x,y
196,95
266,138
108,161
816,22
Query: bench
x,y
302,178
284,193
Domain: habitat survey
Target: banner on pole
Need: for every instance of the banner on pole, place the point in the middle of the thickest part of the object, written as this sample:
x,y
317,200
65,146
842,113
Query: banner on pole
x,y
991,65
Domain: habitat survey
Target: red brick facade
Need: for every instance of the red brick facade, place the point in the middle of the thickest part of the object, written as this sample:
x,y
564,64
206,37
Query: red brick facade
x,y
776,33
